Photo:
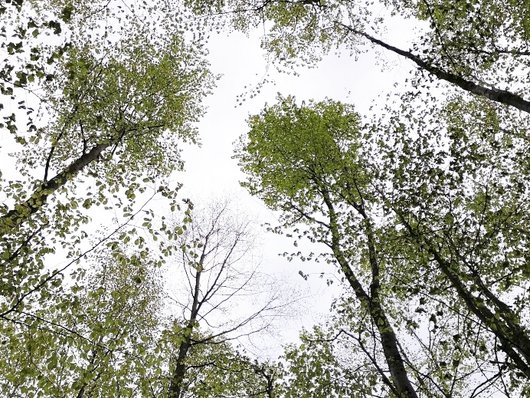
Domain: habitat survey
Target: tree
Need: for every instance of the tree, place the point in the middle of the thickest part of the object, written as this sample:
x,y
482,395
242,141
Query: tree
x,y
113,108
465,44
107,333
219,369
97,339
304,161
424,210
96,104
340,357
210,250
376,199
315,368
461,204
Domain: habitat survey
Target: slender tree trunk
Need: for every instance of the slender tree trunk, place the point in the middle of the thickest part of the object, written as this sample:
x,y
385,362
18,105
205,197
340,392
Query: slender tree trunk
x,y
22,211
494,94
400,380
93,357
391,350
514,339
179,370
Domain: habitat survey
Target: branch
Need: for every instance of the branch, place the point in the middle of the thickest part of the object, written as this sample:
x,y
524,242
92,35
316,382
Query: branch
x,y
59,271
23,210
501,96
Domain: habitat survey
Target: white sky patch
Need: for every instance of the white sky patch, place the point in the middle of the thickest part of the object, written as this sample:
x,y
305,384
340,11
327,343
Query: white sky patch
x,y
211,173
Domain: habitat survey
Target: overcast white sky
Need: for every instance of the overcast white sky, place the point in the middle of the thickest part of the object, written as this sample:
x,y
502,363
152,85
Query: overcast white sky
x,y
210,172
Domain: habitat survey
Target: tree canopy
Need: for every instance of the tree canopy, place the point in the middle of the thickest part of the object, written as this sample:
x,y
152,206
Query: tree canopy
x,y
420,206
388,220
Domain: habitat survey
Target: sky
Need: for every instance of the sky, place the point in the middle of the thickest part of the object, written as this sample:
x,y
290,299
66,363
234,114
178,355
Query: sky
x,y
211,173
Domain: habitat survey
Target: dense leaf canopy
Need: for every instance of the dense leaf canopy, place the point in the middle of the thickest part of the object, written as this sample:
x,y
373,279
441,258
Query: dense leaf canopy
x,y
419,207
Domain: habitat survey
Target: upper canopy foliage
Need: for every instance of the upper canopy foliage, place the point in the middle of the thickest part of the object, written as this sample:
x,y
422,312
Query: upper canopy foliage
x,y
480,46
405,218
424,210
291,152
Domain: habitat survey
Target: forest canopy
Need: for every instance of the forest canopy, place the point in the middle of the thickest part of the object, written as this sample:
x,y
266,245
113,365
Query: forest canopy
x,y
418,207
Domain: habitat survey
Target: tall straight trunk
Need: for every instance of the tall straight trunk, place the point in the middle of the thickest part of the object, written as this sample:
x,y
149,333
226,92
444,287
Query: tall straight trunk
x,y
22,211
515,341
179,369
401,384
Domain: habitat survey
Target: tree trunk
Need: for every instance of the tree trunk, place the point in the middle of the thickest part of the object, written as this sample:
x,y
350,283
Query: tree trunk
x,y
494,94
175,386
402,386
179,371
22,211
515,341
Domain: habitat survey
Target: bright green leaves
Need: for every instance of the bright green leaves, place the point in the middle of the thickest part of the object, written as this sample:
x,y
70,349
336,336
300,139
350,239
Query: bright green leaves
x,y
460,202
98,336
294,153
313,368
218,369
302,32
139,103
431,204
111,119
329,362
427,214
305,161
476,20
484,40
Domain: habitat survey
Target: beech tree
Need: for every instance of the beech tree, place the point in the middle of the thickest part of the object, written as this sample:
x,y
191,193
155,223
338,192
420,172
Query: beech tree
x,y
462,203
116,93
304,161
93,121
320,367
98,338
219,369
383,217
423,209
110,331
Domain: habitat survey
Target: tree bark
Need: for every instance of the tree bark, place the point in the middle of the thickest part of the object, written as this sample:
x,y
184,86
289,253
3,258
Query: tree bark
x,y
24,210
175,386
501,96
400,380
179,371
513,338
